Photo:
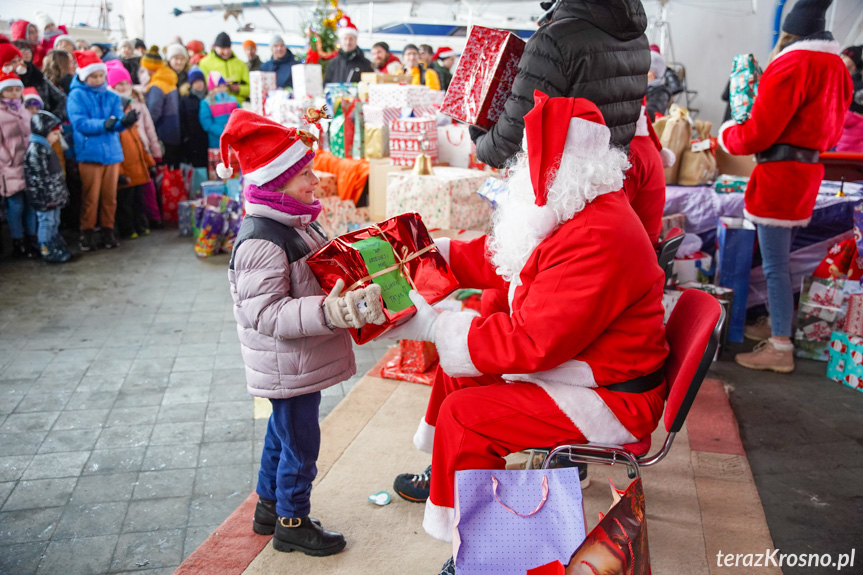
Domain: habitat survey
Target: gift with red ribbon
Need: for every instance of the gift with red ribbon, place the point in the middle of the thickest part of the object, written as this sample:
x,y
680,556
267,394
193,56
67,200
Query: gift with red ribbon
x,y
397,254
854,318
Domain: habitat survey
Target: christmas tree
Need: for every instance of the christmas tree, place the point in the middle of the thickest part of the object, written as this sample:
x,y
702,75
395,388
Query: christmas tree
x,y
320,29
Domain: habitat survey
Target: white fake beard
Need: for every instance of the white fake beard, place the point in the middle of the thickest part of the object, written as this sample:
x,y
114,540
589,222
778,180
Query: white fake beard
x,y
519,225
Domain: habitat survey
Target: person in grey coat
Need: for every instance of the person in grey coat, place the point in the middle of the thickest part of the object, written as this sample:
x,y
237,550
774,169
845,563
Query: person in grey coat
x,y
293,337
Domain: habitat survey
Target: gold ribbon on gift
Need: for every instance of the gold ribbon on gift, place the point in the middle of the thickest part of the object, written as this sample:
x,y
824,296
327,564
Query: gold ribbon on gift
x,y
401,263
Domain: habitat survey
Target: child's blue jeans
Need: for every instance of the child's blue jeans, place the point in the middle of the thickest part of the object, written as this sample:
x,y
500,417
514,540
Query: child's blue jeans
x,y
22,218
289,460
49,225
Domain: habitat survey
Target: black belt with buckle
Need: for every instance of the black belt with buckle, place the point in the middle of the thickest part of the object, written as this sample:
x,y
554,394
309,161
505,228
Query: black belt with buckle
x,y
641,384
787,153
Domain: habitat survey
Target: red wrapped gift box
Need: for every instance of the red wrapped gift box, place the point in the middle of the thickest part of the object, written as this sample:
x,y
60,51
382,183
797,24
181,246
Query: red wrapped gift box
x,y
417,356
483,79
406,140
399,255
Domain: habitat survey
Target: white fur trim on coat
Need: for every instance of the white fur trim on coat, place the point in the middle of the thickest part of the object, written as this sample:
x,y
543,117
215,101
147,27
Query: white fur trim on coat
x,y
450,336
589,413
572,372
438,521
443,247
722,129
641,124
424,437
278,166
775,222
825,46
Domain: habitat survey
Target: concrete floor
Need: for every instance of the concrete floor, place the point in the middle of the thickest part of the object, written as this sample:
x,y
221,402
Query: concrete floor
x,y
803,435
126,434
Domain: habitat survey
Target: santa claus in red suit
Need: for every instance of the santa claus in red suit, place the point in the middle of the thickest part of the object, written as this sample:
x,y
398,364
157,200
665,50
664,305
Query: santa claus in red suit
x,y
799,111
586,314
645,179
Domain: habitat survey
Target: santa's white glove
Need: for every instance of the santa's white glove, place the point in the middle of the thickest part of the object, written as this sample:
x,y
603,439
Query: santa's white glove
x,y
421,326
356,308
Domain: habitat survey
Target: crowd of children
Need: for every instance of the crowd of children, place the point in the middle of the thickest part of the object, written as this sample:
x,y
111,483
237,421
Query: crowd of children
x,y
85,131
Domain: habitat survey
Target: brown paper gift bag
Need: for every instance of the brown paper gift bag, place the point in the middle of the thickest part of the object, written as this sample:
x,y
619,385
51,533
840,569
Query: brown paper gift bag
x,y
698,164
676,136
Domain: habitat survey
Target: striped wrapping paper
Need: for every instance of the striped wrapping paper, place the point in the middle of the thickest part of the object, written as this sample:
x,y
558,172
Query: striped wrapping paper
x,y
406,136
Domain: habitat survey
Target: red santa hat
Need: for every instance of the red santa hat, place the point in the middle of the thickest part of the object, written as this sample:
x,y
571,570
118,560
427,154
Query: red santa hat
x,y
549,136
347,27
31,97
8,51
266,150
88,62
443,53
9,80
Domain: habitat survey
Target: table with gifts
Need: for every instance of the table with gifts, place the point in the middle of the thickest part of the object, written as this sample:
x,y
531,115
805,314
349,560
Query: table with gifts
x,y
446,199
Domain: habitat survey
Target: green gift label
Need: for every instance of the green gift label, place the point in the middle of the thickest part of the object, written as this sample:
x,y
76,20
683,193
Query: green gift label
x,y
378,255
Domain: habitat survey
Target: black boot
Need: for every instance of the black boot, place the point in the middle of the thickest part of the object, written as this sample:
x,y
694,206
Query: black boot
x,y
109,238
33,247
54,253
266,517
300,534
448,567
19,249
88,241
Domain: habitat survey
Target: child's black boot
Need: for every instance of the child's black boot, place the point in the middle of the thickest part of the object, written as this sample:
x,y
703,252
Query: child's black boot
x,y
19,249
266,517
301,534
88,241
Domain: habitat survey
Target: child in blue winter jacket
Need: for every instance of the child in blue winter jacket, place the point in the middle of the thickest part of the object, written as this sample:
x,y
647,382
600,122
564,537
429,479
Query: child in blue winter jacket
x,y
97,118
216,108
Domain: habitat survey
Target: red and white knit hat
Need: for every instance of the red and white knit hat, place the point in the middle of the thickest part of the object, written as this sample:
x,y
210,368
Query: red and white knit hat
x,y
266,150
347,27
88,62
549,136
9,80
30,94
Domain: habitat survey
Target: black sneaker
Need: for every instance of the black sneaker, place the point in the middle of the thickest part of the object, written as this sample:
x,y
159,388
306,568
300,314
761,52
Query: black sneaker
x,y
448,568
413,487
88,241
300,534
109,238
266,517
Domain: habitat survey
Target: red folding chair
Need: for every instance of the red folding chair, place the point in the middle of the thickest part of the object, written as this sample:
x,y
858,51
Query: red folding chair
x,y
667,249
693,336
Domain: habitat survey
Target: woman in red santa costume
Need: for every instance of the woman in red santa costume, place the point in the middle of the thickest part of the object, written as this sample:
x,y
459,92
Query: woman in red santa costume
x,y
799,112
580,356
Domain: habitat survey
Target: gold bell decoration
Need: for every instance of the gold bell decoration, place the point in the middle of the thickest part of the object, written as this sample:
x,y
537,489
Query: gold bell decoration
x,y
423,163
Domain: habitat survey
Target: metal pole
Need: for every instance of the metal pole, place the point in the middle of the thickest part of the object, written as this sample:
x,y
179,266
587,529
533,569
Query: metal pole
x,y
832,15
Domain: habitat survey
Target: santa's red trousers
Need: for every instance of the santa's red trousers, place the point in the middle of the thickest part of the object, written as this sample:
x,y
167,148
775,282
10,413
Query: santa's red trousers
x,y
480,420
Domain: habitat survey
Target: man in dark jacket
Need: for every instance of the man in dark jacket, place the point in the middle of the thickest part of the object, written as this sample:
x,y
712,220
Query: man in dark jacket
x,y
593,49
350,62
281,63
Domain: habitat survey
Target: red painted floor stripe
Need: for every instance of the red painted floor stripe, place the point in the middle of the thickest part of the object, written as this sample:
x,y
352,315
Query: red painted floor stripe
x,y
231,547
711,423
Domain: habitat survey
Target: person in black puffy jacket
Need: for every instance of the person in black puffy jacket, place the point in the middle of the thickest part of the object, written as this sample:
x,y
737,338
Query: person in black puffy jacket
x,y
593,49
46,185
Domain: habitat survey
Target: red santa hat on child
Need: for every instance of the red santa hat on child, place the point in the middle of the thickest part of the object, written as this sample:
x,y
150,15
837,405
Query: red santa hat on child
x,y
31,97
9,80
347,27
265,149
88,62
8,51
644,127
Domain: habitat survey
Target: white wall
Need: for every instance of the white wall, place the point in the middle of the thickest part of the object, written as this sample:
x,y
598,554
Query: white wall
x,y
706,41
